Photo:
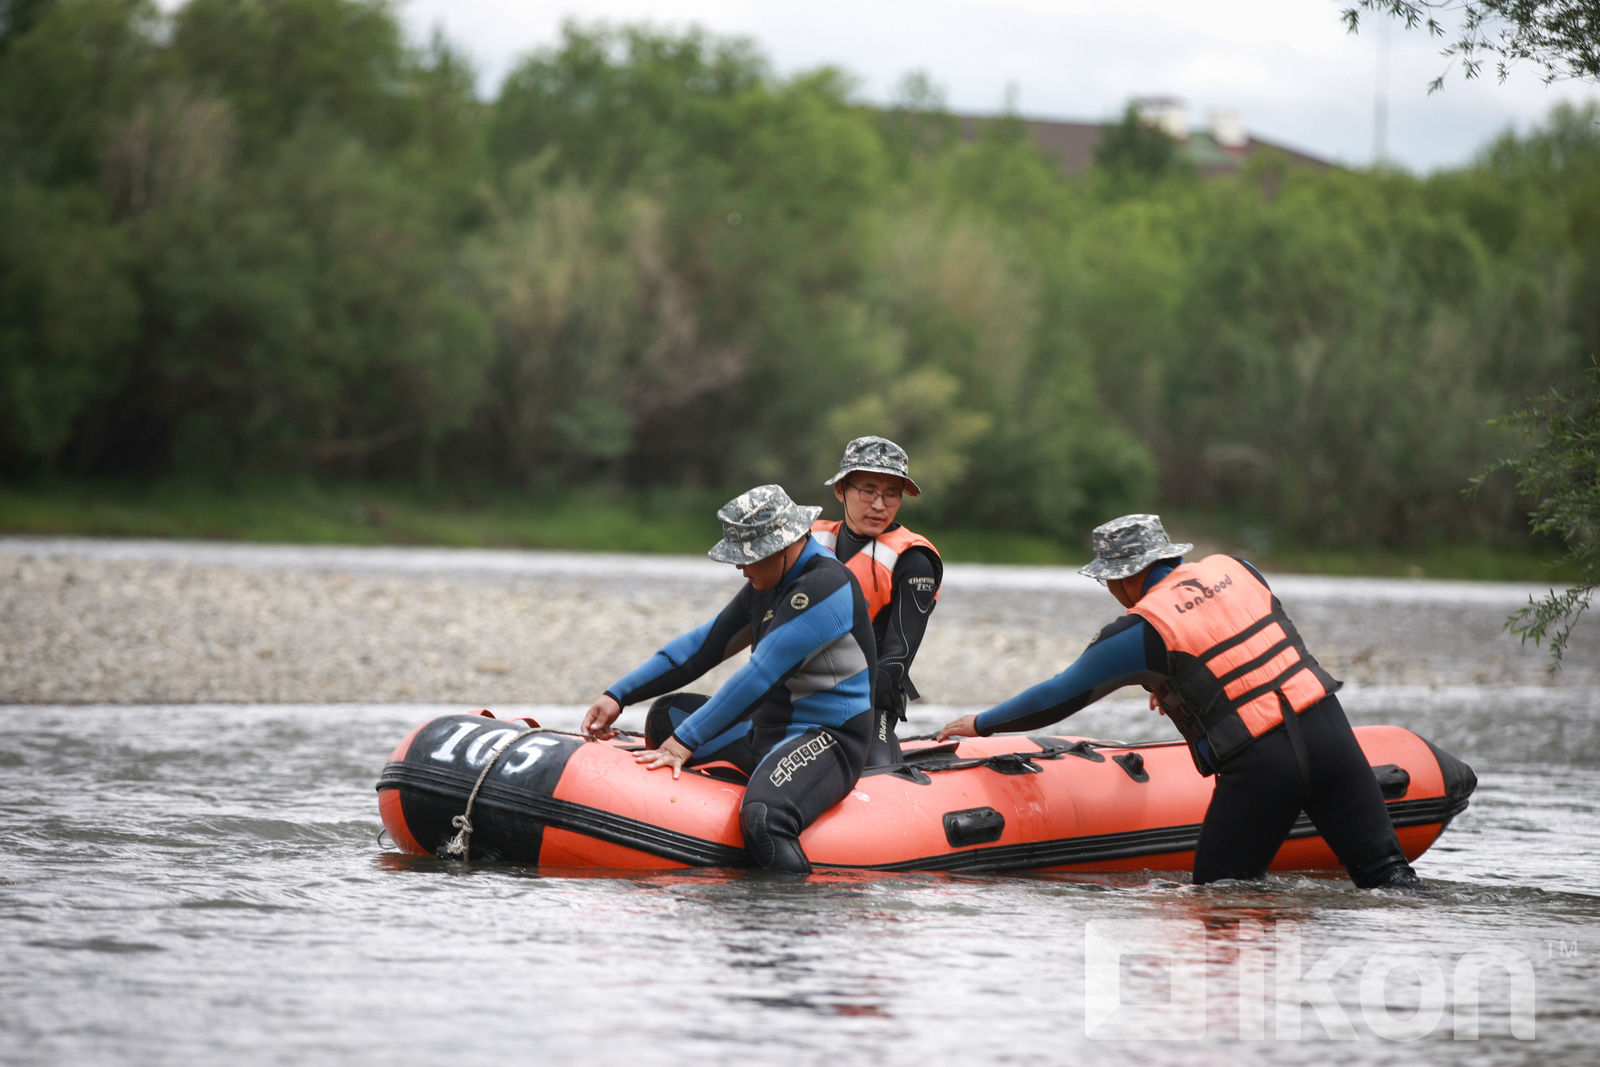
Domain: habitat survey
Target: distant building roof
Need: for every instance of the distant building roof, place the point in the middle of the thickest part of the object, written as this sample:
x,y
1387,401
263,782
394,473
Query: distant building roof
x,y
1218,151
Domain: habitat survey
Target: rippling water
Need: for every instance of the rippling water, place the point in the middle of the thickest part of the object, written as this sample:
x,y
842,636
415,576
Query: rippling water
x,y
185,885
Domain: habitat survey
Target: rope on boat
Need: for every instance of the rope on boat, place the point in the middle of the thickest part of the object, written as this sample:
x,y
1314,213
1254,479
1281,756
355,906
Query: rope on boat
x,y
462,842
584,736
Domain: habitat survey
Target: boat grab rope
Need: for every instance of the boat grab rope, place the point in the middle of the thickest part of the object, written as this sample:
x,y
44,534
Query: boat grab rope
x,y
460,844
585,737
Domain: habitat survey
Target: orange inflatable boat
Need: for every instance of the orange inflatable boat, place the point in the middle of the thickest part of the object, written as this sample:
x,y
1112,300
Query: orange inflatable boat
x,y
476,787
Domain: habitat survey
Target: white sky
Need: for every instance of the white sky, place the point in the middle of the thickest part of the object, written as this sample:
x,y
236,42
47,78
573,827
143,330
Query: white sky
x,y
1288,68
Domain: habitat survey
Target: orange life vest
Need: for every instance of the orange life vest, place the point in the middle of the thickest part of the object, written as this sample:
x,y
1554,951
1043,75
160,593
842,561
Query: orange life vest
x,y
874,565
1234,657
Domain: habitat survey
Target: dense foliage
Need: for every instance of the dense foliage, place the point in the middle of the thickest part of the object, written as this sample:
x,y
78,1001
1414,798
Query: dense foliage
x,y
271,237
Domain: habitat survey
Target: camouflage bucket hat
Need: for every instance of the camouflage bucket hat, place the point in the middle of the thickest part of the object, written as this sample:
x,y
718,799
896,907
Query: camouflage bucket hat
x,y
878,455
757,523
1128,545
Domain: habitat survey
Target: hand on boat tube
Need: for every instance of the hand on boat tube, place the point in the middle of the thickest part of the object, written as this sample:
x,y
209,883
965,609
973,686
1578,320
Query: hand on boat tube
x,y
598,719
966,726
670,754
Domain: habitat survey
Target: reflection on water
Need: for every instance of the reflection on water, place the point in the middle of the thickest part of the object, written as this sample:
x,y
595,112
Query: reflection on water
x,y
199,885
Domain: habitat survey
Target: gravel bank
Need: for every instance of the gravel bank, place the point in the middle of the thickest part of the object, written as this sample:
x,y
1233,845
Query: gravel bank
x,y
172,623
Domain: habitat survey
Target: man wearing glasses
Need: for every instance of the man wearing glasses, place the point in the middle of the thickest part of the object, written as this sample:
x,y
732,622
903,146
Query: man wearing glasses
x,y
899,572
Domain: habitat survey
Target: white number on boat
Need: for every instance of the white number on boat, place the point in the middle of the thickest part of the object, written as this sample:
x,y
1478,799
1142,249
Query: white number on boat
x,y
486,745
447,749
529,754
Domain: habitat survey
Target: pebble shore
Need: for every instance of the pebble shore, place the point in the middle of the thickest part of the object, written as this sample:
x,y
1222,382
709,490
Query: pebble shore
x,y
92,622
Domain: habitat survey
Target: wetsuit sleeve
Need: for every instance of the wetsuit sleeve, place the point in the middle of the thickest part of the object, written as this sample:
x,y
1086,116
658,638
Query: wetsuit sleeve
x,y
1127,652
688,656
782,650
916,587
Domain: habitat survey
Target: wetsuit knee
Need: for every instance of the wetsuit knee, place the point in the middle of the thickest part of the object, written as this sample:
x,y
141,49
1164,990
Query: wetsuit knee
x,y
771,847
883,750
666,714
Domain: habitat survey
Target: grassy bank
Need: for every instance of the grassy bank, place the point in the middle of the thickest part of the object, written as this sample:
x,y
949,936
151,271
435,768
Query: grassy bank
x,y
676,522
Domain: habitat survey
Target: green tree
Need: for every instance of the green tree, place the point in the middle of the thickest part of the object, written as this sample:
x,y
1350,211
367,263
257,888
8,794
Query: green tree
x,y
610,105
281,63
1560,36
300,315
67,316
1563,37
18,16
1135,153
918,125
1561,473
68,72
1342,315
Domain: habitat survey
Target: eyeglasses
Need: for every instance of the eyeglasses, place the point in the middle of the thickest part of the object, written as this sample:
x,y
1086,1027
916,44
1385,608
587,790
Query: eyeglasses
x,y
888,496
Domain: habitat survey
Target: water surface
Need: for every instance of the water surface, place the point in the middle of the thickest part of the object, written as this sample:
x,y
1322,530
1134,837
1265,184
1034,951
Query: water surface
x,y
204,884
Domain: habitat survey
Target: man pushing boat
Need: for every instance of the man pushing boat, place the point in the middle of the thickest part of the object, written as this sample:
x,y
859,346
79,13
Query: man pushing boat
x,y
806,689
1223,661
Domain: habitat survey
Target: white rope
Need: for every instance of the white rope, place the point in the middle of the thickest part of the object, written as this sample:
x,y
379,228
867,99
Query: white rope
x,y
459,844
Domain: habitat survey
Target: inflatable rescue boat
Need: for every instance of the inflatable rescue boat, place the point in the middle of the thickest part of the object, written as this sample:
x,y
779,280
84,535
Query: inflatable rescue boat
x,y
476,787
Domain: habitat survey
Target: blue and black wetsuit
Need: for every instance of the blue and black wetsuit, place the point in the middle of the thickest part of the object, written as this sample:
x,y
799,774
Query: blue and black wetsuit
x,y
900,626
1260,790
796,718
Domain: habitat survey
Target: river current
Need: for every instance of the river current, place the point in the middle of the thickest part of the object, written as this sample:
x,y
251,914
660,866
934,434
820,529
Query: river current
x,y
200,884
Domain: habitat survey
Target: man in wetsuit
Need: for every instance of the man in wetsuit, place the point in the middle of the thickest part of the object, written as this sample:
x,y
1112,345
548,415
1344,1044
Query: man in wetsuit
x,y
1223,661
899,571
806,689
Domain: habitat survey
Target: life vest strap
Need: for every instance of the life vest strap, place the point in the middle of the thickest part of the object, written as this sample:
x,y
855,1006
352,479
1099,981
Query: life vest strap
x,y
1254,664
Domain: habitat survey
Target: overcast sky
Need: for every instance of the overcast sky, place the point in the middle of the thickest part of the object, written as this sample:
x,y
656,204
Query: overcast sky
x,y
1288,68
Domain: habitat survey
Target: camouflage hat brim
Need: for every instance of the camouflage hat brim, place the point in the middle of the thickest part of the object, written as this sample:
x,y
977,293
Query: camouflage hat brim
x,y
738,552
759,522
912,489
1127,545
1110,569
876,455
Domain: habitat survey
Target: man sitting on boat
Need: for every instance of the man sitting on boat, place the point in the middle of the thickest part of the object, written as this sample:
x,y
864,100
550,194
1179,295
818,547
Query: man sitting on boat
x,y
1223,661
807,688
899,571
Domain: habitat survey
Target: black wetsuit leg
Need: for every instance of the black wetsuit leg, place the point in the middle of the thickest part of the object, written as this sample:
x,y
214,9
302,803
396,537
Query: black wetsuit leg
x,y
795,782
1258,796
1346,803
734,745
883,750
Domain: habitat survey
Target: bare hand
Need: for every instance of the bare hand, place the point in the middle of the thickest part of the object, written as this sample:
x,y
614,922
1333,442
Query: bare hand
x,y
966,726
670,754
598,719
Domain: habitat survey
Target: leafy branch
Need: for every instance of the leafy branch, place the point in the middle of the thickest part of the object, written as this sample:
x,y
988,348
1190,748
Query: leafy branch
x,y
1563,474
1562,37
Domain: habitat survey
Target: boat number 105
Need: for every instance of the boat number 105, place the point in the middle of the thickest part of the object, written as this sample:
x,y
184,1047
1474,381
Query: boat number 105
x,y
488,743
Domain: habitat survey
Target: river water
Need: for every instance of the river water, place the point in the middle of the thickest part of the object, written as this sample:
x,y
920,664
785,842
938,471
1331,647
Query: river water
x,y
188,884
